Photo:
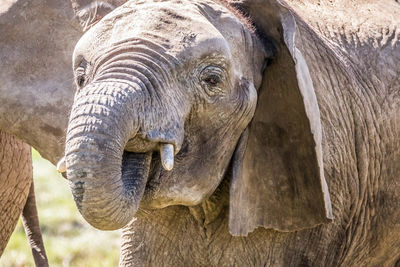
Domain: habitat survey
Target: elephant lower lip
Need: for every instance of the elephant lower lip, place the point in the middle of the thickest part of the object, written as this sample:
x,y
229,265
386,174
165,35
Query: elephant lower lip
x,y
155,173
135,173
129,169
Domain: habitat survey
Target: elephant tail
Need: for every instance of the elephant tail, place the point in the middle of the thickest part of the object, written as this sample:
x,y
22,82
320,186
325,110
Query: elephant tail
x,y
30,220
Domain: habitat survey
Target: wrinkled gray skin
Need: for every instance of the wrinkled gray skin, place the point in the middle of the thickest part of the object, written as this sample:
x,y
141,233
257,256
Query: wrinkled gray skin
x,y
17,195
37,86
36,92
346,56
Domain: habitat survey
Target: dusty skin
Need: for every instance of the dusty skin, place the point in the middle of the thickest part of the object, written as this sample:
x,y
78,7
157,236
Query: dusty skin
x,y
17,196
29,71
297,166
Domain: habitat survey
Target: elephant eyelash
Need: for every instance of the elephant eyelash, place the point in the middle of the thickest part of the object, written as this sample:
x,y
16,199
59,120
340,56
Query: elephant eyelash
x,y
210,78
80,80
80,76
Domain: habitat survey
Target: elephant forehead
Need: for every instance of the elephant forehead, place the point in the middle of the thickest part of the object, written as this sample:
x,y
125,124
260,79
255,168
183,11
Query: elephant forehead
x,y
170,24
186,30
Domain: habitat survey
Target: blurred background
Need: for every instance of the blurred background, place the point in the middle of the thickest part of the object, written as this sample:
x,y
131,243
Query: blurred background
x,y
69,240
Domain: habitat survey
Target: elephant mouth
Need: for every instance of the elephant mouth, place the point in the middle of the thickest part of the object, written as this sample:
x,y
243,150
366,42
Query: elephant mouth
x,y
155,173
161,161
109,177
145,182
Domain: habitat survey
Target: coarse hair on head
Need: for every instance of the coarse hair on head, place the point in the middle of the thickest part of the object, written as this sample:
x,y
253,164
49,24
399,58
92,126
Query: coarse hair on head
x,y
240,14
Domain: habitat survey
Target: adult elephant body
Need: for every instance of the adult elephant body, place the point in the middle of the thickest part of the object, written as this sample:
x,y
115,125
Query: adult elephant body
x,y
36,89
36,41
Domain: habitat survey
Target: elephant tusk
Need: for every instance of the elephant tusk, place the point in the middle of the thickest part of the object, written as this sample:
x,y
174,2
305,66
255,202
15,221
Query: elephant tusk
x,y
61,165
167,156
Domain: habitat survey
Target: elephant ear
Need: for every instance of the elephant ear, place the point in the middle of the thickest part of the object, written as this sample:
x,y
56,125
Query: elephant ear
x,y
89,12
278,179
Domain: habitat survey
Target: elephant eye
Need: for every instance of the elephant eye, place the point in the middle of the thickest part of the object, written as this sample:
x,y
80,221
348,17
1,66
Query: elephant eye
x,y
80,80
211,75
211,78
80,74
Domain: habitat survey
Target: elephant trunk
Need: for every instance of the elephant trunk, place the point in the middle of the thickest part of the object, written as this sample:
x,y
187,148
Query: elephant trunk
x,y
107,182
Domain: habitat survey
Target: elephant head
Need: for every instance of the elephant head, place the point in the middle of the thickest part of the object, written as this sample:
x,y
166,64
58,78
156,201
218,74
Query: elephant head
x,y
166,92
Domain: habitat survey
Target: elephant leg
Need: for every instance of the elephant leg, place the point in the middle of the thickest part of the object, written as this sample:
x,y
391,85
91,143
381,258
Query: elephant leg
x,y
30,220
15,181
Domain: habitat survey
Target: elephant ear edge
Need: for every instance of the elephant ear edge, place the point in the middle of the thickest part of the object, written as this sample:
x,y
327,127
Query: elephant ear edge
x,y
89,12
278,179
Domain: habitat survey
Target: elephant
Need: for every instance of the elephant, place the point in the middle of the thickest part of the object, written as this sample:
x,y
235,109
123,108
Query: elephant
x,y
35,73
306,177
17,195
178,134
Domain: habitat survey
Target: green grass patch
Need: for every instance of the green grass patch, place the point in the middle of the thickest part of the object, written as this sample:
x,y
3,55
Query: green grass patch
x,y
68,238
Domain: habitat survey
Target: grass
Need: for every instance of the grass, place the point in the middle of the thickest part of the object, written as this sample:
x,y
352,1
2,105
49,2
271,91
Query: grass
x,y
68,238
